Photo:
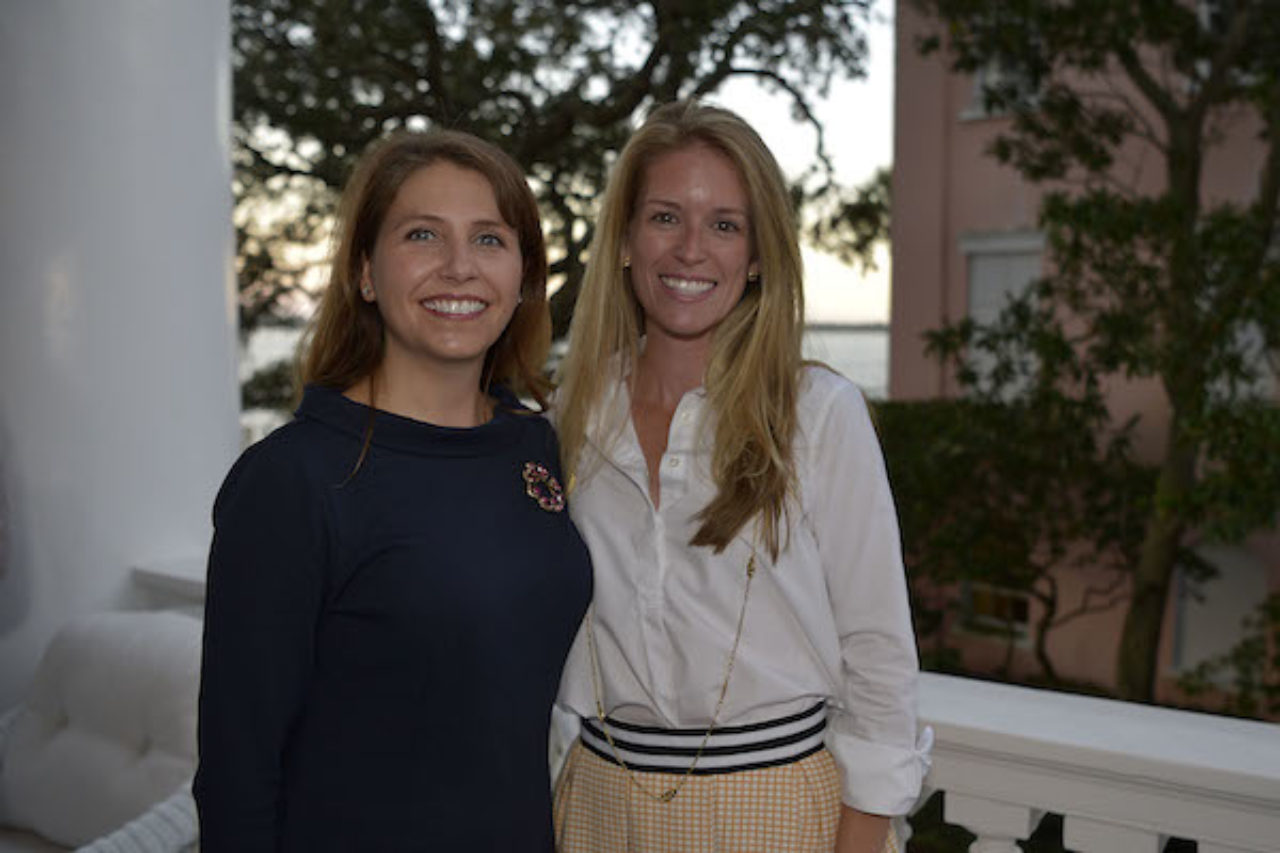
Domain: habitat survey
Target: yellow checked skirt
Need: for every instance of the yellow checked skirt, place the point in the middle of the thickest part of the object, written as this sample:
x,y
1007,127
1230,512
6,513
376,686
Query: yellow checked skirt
x,y
793,808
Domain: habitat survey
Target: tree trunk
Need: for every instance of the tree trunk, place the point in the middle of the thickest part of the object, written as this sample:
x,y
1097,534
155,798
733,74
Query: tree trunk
x,y
562,303
1140,640
1043,624
1137,657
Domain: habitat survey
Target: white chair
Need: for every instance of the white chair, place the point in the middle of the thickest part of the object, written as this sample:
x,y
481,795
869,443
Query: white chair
x,y
100,755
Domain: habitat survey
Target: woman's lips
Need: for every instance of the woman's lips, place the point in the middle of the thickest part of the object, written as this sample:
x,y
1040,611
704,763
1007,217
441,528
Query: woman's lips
x,y
455,306
686,286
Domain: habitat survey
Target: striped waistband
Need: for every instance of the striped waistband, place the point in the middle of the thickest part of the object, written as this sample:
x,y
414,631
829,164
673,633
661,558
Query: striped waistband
x,y
729,749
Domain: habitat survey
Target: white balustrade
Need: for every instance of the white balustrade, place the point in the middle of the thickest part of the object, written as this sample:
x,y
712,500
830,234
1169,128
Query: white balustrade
x,y
1125,777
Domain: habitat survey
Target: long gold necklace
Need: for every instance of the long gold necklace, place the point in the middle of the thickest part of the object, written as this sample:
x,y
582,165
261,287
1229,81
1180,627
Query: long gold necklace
x,y
670,793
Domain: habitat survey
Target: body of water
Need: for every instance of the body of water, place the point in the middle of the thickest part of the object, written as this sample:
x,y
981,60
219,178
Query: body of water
x,y
859,352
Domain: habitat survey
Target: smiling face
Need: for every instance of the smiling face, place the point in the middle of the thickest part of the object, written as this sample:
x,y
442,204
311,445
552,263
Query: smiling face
x,y
690,242
445,270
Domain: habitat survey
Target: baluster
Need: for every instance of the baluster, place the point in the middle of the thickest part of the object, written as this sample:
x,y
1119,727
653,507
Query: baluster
x,y
998,825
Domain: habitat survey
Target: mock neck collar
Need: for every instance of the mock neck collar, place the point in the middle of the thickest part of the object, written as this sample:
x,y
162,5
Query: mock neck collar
x,y
331,407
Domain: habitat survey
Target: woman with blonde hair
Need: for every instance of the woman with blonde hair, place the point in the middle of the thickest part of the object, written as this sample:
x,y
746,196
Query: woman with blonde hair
x,y
393,581
745,678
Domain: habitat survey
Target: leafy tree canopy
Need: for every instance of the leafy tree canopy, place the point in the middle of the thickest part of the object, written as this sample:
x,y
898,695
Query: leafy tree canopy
x,y
1150,279
559,86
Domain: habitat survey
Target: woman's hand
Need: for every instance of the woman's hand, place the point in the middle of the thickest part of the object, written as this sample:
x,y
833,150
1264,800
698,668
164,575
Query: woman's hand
x,y
860,832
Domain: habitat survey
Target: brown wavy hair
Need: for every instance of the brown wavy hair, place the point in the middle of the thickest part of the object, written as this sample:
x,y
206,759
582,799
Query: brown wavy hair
x,y
346,340
753,377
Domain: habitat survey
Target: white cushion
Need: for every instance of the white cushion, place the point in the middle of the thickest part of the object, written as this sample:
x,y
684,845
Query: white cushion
x,y
20,841
108,729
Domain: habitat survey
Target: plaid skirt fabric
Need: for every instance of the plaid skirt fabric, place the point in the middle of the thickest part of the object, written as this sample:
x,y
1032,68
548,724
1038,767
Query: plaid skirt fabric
x,y
793,808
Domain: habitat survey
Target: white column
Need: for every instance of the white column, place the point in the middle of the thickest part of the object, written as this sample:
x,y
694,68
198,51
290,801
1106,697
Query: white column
x,y
118,401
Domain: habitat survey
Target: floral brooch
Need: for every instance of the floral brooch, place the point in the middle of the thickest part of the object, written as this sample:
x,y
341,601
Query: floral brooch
x,y
541,485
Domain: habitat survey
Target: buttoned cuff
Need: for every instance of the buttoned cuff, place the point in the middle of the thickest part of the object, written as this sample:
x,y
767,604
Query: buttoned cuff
x,y
880,778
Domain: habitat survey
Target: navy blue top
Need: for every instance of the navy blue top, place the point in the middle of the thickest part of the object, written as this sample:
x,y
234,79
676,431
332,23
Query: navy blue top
x,y
382,650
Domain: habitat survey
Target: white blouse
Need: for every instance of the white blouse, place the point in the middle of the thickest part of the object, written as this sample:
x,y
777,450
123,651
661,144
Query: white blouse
x,y
829,620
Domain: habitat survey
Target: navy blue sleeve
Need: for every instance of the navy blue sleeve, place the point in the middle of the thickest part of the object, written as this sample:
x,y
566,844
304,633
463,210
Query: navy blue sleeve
x,y
264,594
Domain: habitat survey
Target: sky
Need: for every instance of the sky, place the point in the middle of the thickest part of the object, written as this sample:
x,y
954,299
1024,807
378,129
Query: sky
x,y
858,117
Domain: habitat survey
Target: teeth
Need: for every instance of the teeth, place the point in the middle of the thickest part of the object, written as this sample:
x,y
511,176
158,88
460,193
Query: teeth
x,y
454,306
688,285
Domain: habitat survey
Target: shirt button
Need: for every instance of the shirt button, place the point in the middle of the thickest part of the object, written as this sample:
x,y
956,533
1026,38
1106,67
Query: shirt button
x,y
673,462
685,416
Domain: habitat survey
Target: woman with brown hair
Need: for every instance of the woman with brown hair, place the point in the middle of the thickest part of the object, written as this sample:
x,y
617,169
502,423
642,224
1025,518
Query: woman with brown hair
x,y
393,581
745,678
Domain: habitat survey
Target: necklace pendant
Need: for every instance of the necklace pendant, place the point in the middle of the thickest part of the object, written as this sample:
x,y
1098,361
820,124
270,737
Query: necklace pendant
x,y
668,795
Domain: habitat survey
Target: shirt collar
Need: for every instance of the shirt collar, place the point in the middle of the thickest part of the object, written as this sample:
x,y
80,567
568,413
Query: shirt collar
x,y
331,407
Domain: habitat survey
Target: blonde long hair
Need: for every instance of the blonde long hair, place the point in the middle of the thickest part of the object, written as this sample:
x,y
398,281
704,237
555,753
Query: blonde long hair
x,y
753,377
346,340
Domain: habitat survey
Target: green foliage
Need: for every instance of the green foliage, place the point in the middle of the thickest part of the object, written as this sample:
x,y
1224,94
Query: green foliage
x,y
559,86
1008,493
270,387
850,224
1170,283
1250,670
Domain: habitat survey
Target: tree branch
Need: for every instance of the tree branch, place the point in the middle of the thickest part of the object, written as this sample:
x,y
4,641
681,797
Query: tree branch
x,y
271,168
1147,131
1147,85
1220,67
1266,210
1267,207
1108,592
435,60
801,104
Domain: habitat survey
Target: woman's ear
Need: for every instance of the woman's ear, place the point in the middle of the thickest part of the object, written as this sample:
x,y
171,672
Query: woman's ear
x,y
366,282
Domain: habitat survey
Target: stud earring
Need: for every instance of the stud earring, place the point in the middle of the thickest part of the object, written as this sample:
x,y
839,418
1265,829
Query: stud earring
x,y
753,278
626,262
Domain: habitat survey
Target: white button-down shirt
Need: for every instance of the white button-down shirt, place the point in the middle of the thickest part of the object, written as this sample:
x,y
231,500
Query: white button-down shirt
x,y
828,621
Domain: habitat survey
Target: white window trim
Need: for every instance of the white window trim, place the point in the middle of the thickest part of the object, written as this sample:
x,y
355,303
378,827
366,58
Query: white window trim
x,y
976,109
1001,243
988,627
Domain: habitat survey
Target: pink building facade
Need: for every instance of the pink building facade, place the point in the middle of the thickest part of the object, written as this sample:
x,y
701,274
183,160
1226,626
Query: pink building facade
x,y
964,236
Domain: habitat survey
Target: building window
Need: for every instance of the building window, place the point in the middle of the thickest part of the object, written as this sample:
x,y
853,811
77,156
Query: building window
x,y
991,78
1209,617
995,610
1000,266
1216,18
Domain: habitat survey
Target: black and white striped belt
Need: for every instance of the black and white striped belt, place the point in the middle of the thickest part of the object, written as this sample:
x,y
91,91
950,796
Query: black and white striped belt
x,y
729,749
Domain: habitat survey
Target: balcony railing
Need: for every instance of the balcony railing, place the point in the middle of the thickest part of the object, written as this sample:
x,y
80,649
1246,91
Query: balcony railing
x,y
1124,777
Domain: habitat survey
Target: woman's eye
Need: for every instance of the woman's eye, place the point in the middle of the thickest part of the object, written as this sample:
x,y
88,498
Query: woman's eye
x,y
727,225
663,217
490,240
420,234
